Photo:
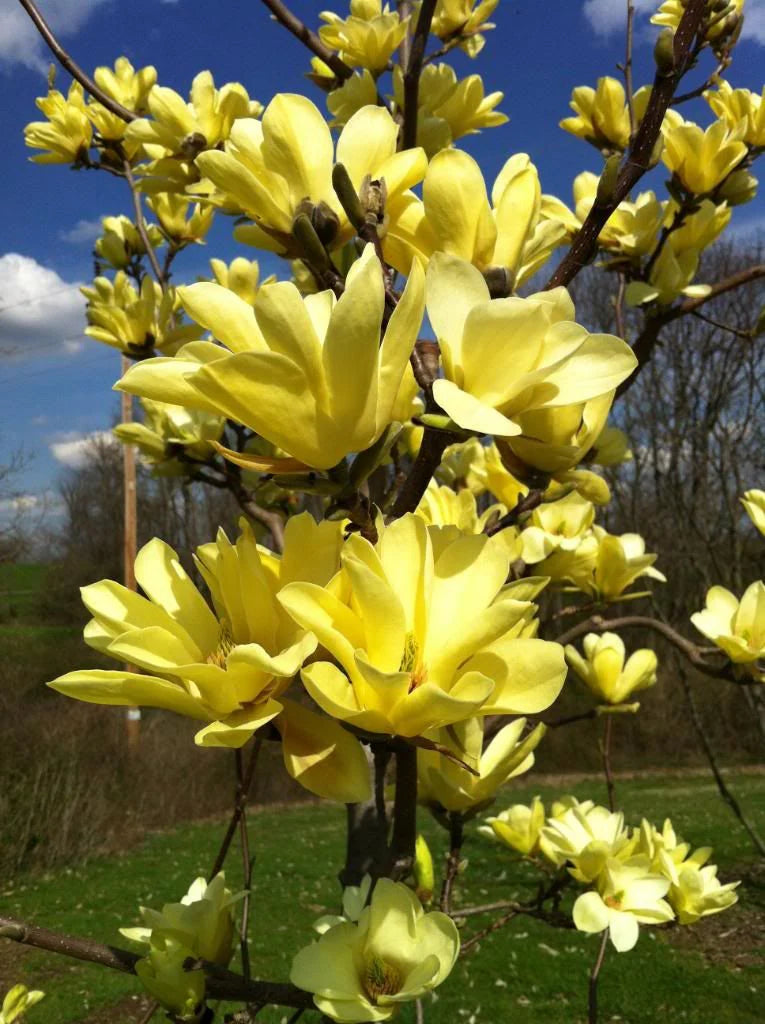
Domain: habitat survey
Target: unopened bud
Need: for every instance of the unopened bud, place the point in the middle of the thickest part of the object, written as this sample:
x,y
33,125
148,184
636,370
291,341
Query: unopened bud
x,y
193,145
305,234
372,196
424,874
348,196
608,179
500,281
664,53
366,462
658,149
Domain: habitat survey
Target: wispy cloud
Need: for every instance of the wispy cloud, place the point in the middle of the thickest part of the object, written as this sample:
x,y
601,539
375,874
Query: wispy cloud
x,y
20,42
40,312
73,449
83,231
608,16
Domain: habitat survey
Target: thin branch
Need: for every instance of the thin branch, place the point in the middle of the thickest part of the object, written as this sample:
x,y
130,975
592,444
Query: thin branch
x,y
220,983
640,155
140,223
606,752
592,1014
725,793
413,72
293,24
404,812
468,944
726,285
240,801
526,503
745,335
247,861
72,67
456,837
628,67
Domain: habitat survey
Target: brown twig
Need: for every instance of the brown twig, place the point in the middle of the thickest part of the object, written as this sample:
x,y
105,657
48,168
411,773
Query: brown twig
x,y
220,983
592,1012
468,944
456,837
404,812
606,753
72,67
728,284
526,503
703,738
293,24
640,154
240,801
628,88
247,861
413,72
140,223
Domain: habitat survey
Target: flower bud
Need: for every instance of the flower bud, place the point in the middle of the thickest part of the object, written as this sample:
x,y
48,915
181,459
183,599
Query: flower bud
x,y
608,179
500,281
664,53
346,193
308,239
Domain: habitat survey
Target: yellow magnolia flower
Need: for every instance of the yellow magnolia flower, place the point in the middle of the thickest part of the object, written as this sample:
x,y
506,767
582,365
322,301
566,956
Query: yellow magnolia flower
x,y
463,19
611,447
631,230
463,465
554,363
444,784
307,374
394,954
165,428
695,890
735,106
671,11
127,86
701,159
519,827
241,276
67,134
449,107
604,671
273,169
17,1001
627,896
163,974
554,525
604,565
360,90
425,633
739,187
507,236
736,627
135,321
587,837
555,440
180,129
602,117
441,506
699,229
368,37
203,921
120,242
670,276
180,223
754,503
225,665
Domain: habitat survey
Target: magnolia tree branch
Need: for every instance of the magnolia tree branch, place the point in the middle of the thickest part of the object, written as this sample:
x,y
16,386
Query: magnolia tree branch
x,y
597,624
592,1009
300,30
640,155
220,983
72,67
413,73
140,222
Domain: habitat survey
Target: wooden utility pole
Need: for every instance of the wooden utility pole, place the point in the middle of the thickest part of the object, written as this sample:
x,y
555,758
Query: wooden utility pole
x,y
129,540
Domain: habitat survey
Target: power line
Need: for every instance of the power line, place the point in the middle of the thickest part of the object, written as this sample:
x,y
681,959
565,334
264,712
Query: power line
x,y
39,298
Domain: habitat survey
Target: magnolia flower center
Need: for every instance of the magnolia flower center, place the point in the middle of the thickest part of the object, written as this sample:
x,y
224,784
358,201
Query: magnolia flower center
x,y
381,978
226,644
614,900
411,662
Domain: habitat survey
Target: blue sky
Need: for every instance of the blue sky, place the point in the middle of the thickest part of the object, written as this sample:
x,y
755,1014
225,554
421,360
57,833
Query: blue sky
x,y
55,385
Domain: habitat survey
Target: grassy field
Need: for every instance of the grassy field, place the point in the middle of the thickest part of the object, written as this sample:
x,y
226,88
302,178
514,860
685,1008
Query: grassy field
x,y
712,973
19,590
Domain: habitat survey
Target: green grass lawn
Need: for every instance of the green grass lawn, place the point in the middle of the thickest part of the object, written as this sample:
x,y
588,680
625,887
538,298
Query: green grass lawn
x,y
20,590
712,973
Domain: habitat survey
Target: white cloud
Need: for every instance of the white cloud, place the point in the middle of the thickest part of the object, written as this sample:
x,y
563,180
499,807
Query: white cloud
x,y
40,312
73,449
20,42
83,231
608,16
